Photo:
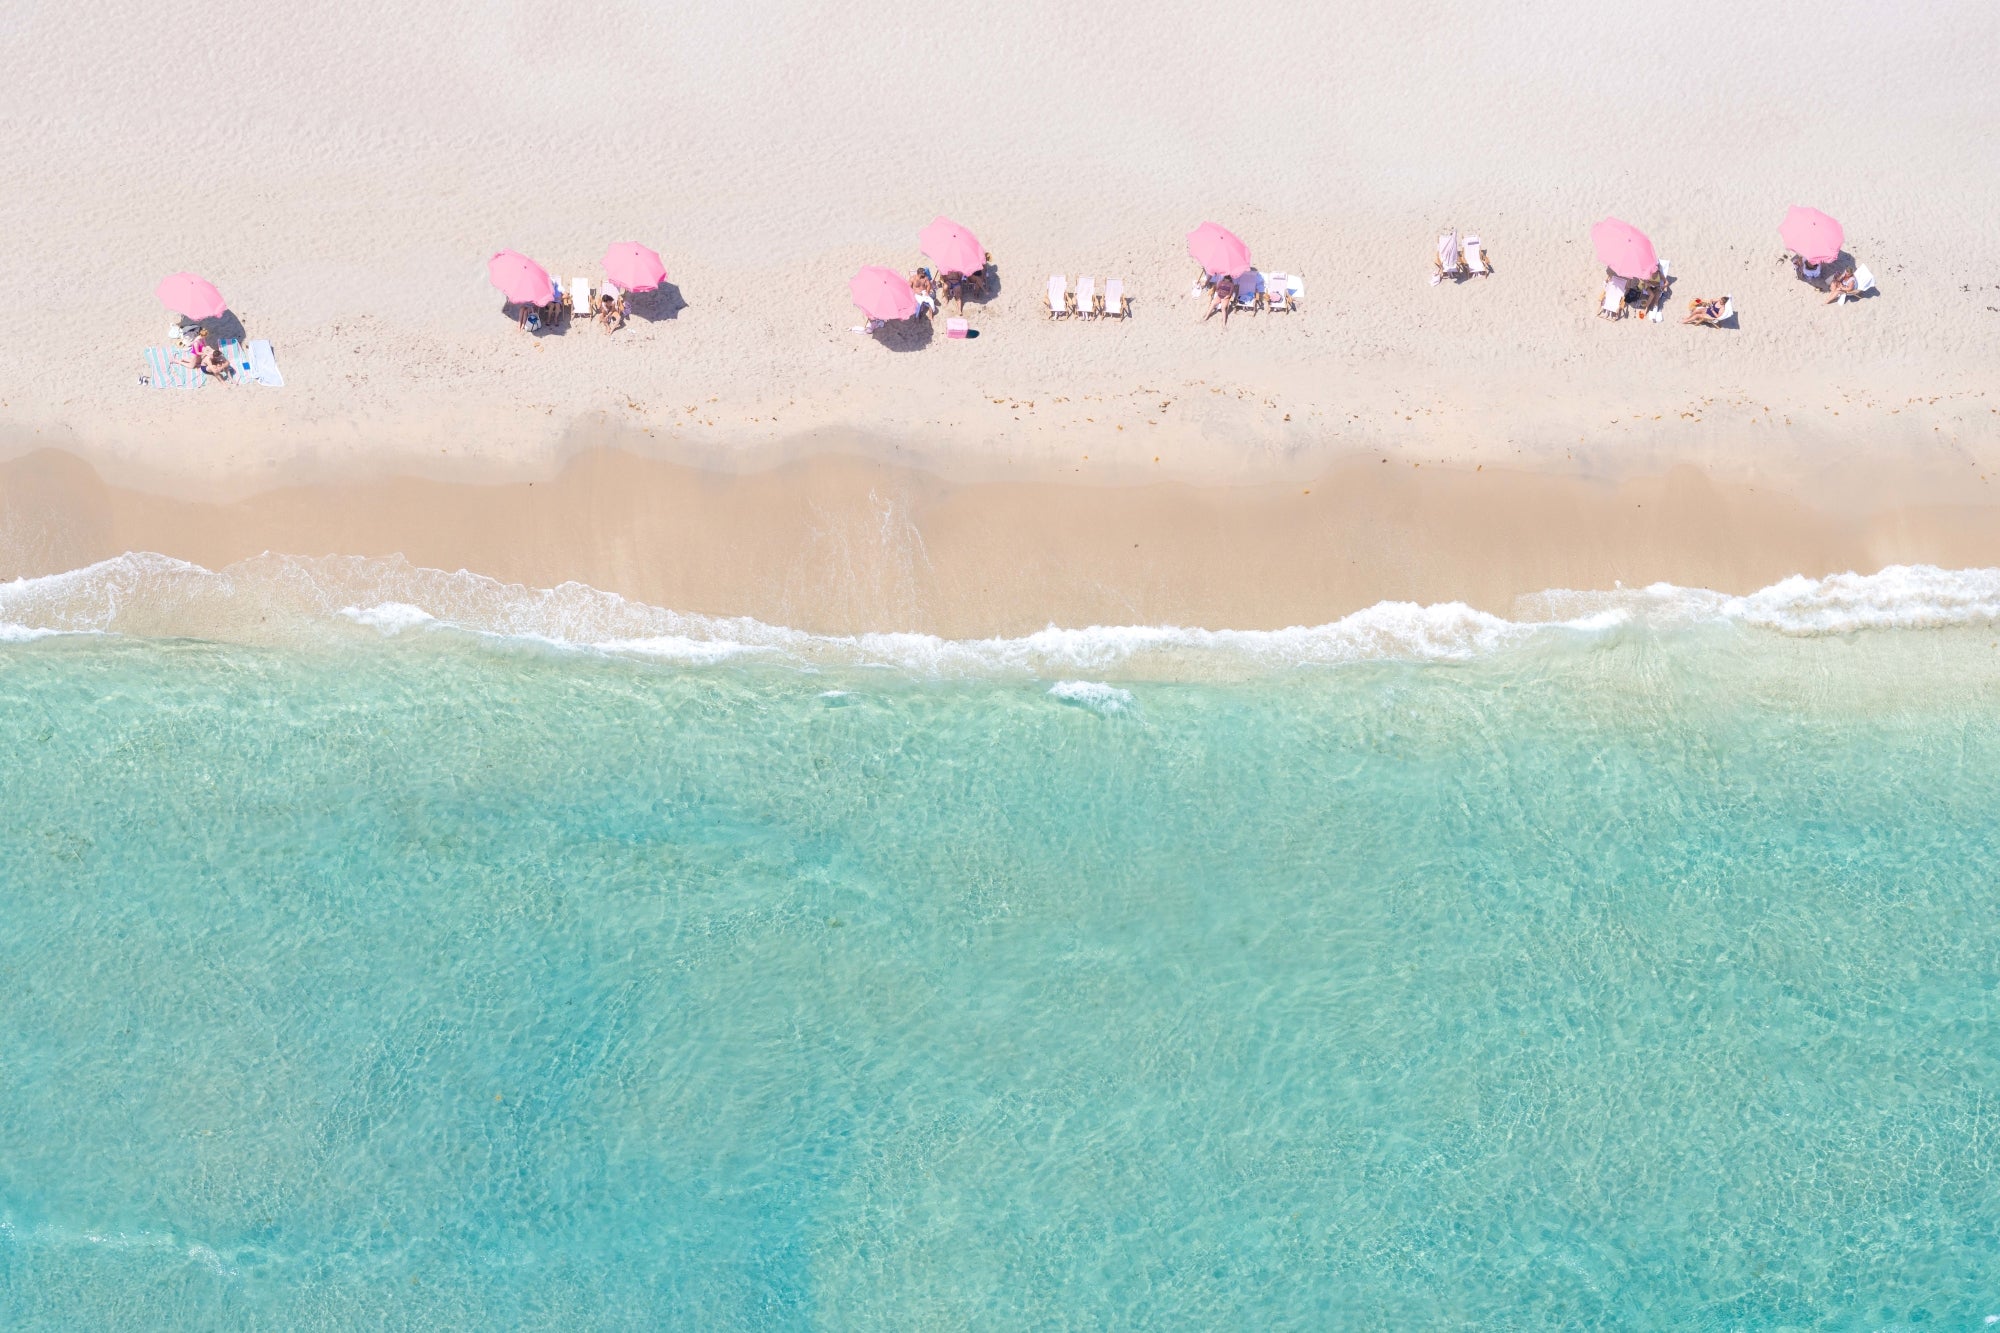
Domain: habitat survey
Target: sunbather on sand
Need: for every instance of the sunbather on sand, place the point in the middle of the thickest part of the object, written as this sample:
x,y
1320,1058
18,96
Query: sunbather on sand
x,y
1223,299
611,312
1707,312
1841,285
954,288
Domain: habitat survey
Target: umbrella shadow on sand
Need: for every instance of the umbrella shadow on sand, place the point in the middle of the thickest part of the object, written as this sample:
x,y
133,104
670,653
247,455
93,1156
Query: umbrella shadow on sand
x,y
224,328
513,312
663,302
905,335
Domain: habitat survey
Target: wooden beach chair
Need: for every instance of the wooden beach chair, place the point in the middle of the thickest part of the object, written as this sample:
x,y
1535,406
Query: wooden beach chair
x,y
1473,258
1058,299
579,297
1614,299
1086,299
1115,303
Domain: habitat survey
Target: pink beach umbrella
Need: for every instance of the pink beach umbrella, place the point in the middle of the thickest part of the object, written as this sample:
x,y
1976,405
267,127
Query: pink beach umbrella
x,y
1811,235
633,267
951,247
883,293
190,297
520,279
1219,251
1624,249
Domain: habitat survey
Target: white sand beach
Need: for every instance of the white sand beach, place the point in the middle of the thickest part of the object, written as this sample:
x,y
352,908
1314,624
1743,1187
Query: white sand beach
x,y
342,175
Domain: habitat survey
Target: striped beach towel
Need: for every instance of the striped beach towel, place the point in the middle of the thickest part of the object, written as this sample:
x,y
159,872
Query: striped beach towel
x,y
163,371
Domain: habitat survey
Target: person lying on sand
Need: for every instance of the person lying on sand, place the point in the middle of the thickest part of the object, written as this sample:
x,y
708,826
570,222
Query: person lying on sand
x,y
611,312
1702,311
1841,285
1223,299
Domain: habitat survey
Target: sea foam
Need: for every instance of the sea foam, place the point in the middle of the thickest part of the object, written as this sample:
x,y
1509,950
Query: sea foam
x,y
286,599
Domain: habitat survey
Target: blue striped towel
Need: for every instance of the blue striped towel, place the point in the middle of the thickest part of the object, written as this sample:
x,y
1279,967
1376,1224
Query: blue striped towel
x,y
169,372
239,359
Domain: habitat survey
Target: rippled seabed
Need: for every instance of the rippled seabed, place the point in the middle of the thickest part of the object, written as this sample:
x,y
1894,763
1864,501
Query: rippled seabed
x,y
1642,979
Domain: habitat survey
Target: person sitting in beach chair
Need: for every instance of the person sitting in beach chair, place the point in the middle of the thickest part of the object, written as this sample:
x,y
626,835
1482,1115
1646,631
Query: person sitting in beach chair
x,y
924,288
1652,293
1222,297
1811,273
1709,313
1840,285
954,288
611,311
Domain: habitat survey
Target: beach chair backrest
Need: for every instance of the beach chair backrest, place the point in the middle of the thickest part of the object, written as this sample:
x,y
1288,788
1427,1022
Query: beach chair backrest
x,y
1058,291
1473,258
1863,279
1728,310
1614,296
1114,296
1086,289
579,294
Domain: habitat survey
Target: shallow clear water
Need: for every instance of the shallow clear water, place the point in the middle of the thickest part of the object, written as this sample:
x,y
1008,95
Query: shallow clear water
x,y
1640,979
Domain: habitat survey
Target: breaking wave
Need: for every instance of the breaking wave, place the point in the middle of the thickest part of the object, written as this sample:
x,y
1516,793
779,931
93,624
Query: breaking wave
x,y
287,599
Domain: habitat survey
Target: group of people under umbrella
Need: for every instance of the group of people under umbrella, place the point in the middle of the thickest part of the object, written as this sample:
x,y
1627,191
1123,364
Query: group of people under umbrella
x,y
542,302
1636,278
963,266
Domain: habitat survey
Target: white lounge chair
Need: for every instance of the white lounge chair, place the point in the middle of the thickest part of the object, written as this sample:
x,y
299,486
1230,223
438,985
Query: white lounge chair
x,y
1115,304
579,296
1249,286
1058,298
1448,257
1614,299
1277,291
1086,298
1728,310
1474,258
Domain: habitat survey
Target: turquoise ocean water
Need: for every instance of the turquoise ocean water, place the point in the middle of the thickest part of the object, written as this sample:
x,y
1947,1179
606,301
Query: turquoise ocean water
x,y
1636,971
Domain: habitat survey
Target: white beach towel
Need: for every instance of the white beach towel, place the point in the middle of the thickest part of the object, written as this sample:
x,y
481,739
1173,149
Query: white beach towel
x,y
1614,296
1058,290
263,366
1447,257
579,295
1728,310
1086,292
1475,259
1114,298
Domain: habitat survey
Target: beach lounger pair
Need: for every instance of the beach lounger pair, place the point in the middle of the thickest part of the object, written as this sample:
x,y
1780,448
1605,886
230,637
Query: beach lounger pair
x,y
1461,257
1085,303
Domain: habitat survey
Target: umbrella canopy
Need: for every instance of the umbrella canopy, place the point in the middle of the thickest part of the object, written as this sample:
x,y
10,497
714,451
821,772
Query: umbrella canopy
x,y
520,279
632,266
1624,249
1811,235
883,293
190,297
1218,250
951,247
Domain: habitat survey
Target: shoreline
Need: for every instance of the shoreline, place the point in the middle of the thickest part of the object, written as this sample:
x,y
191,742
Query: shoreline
x,y
845,541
